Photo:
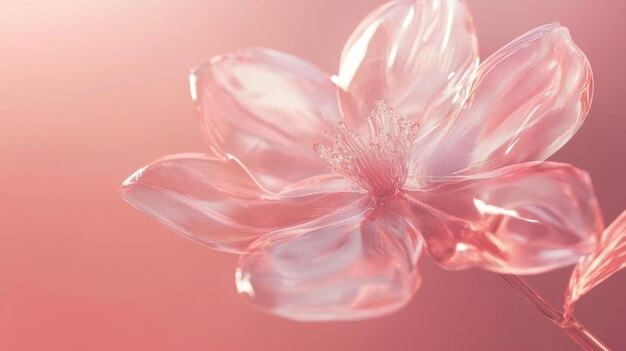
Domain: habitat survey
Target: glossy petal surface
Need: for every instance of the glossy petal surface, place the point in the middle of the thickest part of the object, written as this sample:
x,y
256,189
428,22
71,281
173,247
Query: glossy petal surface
x,y
608,258
523,219
527,101
415,55
358,262
216,202
268,109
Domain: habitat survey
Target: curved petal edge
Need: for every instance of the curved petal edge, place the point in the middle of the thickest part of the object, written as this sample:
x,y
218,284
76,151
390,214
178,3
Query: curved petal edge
x,y
216,201
268,109
417,56
527,100
359,262
523,219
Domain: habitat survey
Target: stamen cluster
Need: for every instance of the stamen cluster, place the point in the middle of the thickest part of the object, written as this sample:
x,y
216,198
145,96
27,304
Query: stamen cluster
x,y
379,166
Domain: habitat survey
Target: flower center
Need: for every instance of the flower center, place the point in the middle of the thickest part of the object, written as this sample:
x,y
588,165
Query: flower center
x,y
379,165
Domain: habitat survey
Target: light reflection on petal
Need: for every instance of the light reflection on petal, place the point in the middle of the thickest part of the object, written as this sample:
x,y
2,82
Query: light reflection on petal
x,y
523,219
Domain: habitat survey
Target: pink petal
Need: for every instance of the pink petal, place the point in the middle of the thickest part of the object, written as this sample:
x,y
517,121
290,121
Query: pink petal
x,y
216,202
358,262
268,109
527,100
415,55
523,219
608,258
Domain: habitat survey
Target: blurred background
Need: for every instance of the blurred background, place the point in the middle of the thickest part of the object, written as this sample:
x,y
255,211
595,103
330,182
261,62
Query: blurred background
x,y
92,90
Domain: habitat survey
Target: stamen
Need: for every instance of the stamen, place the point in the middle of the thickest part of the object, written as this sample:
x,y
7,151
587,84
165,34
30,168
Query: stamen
x,y
380,166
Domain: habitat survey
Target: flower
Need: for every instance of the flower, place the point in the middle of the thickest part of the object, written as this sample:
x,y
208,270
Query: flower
x,y
424,150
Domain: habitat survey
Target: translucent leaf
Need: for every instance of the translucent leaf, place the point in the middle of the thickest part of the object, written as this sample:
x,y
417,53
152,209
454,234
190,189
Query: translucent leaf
x,y
608,258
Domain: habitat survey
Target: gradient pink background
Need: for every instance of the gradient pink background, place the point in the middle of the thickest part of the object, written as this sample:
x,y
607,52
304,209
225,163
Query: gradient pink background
x,y
92,90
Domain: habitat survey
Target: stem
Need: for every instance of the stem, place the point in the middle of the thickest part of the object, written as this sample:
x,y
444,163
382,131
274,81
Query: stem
x,y
574,329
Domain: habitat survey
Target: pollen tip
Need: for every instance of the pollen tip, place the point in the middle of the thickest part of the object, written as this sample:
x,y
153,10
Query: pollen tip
x,y
318,147
341,127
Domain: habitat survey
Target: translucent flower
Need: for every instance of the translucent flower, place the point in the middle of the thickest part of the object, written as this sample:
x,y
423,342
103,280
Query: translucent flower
x,y
332,187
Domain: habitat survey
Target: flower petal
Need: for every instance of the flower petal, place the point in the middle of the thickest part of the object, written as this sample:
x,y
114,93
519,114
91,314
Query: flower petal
x,y
608,258
524,219
268,109
415,55
216,202
527,101
358,262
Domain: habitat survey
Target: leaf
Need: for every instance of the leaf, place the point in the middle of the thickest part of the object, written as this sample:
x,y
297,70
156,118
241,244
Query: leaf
x,y
608,258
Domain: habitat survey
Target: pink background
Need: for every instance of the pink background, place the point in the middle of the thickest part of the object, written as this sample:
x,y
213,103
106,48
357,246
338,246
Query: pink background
x,y
92,90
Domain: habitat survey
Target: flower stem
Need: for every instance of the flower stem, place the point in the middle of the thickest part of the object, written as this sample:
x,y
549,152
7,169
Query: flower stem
x,y
574,329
